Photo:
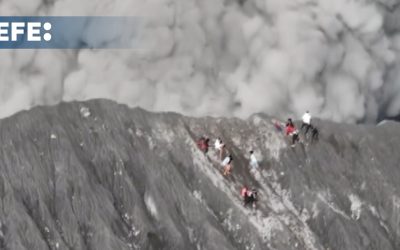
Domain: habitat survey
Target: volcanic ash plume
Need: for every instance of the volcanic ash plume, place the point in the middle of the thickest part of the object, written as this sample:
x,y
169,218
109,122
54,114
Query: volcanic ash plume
x,y
338,59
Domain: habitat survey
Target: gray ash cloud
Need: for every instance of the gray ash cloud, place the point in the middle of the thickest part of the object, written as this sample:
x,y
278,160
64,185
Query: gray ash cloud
x,y
338,59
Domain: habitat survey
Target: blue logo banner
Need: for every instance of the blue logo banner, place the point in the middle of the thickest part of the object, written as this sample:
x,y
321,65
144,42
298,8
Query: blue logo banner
x,y
68,32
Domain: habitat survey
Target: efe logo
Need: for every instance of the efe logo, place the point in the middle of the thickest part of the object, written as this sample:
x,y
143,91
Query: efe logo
x,y
29,31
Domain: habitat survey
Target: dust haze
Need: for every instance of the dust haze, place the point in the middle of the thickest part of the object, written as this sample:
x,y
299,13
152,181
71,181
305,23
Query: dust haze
x,y
339,59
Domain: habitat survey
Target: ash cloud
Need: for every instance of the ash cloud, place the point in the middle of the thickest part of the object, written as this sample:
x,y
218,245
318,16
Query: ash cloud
x,y
339,59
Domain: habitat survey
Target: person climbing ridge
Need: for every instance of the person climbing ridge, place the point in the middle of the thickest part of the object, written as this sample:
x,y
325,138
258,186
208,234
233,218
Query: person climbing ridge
x,y
227,164
249,196
243,191
314,134
278,125
253,161
200,142
292,131
306,122
203,144
219,146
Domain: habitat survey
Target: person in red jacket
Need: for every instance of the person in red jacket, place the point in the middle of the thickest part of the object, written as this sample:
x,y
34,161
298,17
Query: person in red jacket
x,y
203,144
292,131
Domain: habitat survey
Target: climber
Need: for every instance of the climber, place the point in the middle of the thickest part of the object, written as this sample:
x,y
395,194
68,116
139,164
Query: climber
x,y
227,164
243,191
253,160
292,131
219,146
200,142
249,196
306,122
314,134
278,125
203,144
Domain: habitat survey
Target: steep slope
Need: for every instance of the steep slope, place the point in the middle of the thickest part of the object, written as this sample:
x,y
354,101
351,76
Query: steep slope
x,y
98,175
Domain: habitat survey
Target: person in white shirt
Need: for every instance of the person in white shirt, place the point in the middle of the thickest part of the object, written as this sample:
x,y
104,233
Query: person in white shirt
x,y
306,122
253,160
227,164
219,146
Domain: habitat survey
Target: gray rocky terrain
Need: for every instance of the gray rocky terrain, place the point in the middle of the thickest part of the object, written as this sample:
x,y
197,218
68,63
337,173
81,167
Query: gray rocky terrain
x,y
99,175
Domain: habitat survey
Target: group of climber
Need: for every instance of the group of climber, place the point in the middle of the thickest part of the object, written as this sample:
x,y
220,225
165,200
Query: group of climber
x,y
226,163
293,133
250,196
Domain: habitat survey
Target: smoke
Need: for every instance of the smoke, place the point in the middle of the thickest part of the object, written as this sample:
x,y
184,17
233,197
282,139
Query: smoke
x,y
339,59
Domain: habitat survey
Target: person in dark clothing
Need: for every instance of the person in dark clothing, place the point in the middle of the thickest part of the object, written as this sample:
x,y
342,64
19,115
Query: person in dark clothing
x,y
206,144
314,134
249,197
295,138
